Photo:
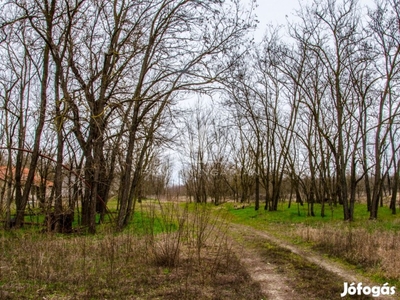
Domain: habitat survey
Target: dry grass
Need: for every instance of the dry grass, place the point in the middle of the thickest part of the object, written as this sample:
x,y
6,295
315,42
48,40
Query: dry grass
x,y
376,250
190,260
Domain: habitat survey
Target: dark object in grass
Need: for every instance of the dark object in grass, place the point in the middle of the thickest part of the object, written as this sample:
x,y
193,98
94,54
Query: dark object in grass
x,y
12,222
65,219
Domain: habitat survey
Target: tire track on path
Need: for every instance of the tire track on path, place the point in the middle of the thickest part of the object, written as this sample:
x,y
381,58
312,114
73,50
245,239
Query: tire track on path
x,y
281,284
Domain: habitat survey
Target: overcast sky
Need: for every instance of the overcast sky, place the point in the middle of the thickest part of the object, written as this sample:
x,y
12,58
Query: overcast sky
x,y
275,13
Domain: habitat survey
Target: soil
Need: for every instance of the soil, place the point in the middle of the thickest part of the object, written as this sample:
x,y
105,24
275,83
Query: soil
x,y
286,271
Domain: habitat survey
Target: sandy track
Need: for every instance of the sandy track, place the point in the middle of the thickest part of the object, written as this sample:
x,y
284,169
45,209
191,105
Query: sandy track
x,y
274,283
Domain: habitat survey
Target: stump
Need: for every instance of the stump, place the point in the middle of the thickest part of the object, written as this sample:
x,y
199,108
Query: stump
x,y
65,219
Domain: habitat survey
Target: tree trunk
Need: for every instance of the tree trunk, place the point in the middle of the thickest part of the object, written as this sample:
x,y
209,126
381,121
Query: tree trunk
x,y
36,144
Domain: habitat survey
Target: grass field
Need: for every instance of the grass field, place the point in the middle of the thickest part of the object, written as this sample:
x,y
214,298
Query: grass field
x,y
174,249
146,218
371,246
163,254
297,214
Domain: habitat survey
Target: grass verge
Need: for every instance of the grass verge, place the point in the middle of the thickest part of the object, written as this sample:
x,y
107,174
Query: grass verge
x,y
369,246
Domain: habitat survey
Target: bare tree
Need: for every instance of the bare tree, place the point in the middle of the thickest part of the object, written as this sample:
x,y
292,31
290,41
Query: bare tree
x,y
331,36
206,31
385,29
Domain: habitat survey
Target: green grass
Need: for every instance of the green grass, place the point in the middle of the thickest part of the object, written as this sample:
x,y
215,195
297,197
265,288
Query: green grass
x,y
143,223
292,224
299,215
146,219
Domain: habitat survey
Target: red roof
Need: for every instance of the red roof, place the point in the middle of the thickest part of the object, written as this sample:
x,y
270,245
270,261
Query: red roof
x,y
37,179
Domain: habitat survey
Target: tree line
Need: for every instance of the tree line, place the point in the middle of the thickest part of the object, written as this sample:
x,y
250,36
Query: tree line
x,y
312,113
90,94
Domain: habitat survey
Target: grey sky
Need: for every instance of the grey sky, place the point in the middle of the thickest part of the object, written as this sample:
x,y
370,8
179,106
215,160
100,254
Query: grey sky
x,y
275,13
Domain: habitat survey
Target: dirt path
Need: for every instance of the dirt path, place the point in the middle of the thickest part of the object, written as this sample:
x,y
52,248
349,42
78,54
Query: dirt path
x,y
285,271
272,283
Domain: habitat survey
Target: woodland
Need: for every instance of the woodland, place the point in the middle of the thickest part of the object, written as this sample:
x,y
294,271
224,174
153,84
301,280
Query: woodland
x,y
172,99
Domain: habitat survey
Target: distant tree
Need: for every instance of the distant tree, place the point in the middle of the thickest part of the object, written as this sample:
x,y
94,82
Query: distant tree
x,y
384,26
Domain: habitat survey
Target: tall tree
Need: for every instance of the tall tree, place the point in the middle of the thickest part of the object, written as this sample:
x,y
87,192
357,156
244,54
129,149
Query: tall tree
x,y
385,28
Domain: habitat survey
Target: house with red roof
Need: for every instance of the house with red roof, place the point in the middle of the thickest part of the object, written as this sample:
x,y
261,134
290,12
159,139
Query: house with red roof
x,y
39,184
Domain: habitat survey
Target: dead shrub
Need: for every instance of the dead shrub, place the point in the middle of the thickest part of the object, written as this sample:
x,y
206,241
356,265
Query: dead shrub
x,y
193,235
165,247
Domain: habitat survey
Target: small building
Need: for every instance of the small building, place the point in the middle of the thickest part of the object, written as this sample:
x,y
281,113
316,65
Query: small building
x,y
41,187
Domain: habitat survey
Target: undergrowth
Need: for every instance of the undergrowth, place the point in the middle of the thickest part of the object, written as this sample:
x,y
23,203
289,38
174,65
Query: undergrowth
x,y
167,253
